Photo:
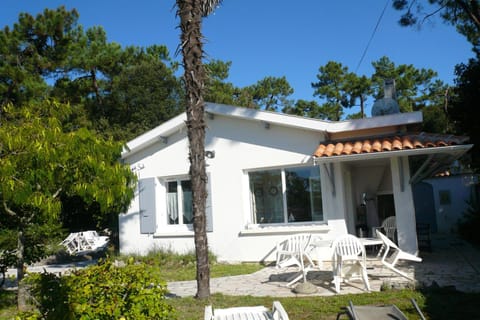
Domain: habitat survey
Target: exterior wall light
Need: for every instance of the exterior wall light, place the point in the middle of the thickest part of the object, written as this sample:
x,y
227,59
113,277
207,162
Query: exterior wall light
x,y
210,154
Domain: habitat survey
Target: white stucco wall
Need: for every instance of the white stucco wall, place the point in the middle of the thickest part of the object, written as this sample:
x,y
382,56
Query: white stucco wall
x,y
239,145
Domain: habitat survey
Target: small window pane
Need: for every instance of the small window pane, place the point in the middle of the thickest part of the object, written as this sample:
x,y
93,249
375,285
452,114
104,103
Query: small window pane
x,y
267,196
172,202
304,198
187,202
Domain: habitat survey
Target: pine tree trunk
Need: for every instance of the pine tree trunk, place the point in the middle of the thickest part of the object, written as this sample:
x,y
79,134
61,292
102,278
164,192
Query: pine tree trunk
x,y
194,76
22,293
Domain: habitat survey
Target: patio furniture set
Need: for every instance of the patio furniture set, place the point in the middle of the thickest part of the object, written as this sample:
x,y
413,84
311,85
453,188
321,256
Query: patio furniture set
x,y
349,259
349,262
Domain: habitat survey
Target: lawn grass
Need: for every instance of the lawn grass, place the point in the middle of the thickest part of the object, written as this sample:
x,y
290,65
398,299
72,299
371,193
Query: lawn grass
x,y
216,270
435,304
298,308
169,266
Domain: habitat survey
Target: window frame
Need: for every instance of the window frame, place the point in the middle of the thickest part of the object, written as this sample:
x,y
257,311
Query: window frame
x,y
164,229
180,199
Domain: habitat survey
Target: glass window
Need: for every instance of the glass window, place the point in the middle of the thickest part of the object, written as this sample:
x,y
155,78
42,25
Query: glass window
x,y
267,198
179,199
304,197
187,202
286,195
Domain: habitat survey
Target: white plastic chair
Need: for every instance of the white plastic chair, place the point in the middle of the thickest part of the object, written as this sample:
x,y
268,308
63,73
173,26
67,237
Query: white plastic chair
x,y
247,313
349,261
338,226
84,242
289,250
389,227
71,242
94,241
296,251
392,254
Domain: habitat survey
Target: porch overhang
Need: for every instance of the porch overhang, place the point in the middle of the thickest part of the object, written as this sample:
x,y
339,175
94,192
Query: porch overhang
x,y
434,152
450,151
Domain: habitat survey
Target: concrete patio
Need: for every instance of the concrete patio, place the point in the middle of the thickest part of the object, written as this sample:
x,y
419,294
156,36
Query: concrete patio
x,y
452,262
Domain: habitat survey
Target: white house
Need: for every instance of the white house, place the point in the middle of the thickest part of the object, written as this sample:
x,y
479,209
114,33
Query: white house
x,y
271,175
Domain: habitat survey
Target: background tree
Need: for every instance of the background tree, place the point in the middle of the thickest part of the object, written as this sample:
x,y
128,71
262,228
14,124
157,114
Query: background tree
x,y
40,162
271,93
435,108
217,89
357,89
121,89
305,108
144,94
330,87
340,90
465,104
463,14
33,51
60,59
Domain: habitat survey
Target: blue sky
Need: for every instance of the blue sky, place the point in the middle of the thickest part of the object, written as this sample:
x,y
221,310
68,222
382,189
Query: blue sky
x,y
274,38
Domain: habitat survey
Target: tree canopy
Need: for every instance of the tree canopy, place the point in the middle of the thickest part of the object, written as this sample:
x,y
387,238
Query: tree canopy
x,y
40,162
52,56
465,103
340,90
463,14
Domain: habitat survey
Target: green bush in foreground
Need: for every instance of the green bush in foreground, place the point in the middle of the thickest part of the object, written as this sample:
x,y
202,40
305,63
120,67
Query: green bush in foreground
x,y
100,292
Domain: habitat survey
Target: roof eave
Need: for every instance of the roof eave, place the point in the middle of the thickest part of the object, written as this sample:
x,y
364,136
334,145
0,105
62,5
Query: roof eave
x,y
150,137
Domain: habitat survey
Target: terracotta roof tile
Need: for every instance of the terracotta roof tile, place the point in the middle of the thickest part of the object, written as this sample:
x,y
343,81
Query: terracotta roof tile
x,y
357,147
347,148
387,143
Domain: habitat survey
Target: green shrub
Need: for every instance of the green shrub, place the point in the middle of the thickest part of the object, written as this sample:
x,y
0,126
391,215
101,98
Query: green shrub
x,y
104,291
167,257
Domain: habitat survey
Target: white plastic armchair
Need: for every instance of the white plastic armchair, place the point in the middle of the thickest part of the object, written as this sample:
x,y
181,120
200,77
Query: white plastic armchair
x,y
71,243
84,242
389,227
94,240
349,261
247,313
289,251
392,254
